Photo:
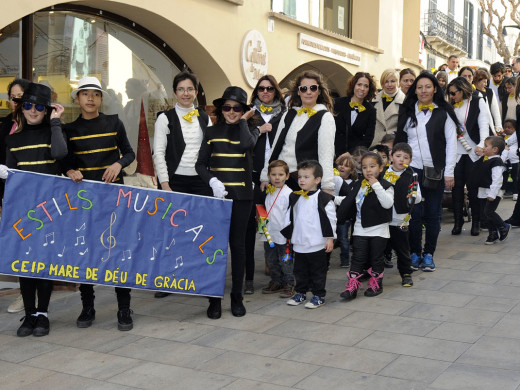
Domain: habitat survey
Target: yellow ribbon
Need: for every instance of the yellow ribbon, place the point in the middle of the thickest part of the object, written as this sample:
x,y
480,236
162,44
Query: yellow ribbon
x,y
486,158
452,72
302,193
270,189
189,115
388,98
309,111
392,177
511,95
459,104
430,107
360,107
336,172
265,108
366,184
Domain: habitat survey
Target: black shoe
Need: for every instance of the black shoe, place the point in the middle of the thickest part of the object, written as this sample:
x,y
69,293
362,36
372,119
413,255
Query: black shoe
x,y
475,228
388,262
406,280
492,237
124,319
237,307
512,222
42,326
27,327
88,314
215,308
504,231
364,277
161,294
457,229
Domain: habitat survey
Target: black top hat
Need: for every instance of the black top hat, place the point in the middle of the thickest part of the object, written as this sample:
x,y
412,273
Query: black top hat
x,y
234,93
36,93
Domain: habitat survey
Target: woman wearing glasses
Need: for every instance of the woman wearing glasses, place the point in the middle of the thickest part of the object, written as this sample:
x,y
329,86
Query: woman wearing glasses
x,y
473,115
481,81
224,162
306,131
355,115
38,125
428,123
269,105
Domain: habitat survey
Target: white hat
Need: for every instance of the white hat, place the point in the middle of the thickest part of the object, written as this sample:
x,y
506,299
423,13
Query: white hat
x,y
87,82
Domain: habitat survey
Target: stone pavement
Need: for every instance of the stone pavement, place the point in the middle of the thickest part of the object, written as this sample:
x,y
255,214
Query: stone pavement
x,y
457,328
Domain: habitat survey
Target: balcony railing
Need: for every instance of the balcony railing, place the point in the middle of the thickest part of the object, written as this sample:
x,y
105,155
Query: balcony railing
x,y
436,23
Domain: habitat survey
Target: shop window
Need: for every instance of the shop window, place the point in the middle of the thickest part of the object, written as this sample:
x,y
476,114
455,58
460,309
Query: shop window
x,y
9,61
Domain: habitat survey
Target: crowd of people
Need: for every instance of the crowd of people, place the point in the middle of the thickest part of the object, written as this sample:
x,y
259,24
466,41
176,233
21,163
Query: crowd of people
x,y
369,170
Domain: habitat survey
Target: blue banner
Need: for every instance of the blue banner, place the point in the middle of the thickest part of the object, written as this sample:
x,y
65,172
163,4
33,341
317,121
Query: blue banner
x,y
114,235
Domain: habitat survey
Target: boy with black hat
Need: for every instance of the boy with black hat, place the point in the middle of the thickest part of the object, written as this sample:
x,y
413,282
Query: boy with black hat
x,y
95,142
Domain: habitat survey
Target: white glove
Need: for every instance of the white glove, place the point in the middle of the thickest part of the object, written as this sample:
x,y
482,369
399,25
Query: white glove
x,y
219,190
3,172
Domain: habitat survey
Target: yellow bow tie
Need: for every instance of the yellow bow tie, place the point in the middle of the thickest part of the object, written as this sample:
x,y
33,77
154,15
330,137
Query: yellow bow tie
x,y
265,108
359,106
506,137
270,189
511,96
366,184
459,104
473,86
392,177
486,158
388,98
496,84
429,107
302,193
189,115
336,172
452,72
310,111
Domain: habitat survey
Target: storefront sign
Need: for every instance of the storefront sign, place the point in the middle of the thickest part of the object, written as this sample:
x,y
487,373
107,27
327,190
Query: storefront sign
x,y
114,235
328,49
253,57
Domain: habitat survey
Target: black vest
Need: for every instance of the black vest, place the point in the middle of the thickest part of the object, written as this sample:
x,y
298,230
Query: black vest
x,y
436,137
481,174
402,203
259,150
472,119
175,144
306,147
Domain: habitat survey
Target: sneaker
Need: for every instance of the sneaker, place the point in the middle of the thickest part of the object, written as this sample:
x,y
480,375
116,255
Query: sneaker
x,y
427,264
315,302
388,263
42,326
515,197
504,231
406,280
124,319
492,238
88,314
345,263
416,261
287,291
508,194
249,288
297,299
375,284
16,306
272,288
27,327
352,286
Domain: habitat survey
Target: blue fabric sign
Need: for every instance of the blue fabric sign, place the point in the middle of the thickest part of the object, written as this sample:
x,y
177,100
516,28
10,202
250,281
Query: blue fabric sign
x,y
114,235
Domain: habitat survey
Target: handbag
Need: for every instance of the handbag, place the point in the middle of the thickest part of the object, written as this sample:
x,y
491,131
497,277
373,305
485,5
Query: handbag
x,y
432,178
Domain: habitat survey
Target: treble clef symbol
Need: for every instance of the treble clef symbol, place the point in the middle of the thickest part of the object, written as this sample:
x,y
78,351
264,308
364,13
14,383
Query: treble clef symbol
x,y
110,240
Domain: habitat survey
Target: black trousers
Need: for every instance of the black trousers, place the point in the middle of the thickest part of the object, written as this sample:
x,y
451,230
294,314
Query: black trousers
x,y
190,185
368,251
237,242
489,214
310,272
400,243
29,287
259,198
122,293
462,172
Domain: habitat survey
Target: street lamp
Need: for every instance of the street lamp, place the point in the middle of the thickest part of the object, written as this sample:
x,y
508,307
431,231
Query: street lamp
x,y
504,32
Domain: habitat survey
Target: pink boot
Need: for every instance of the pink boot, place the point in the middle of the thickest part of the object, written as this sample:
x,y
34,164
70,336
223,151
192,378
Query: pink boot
x,y
375,284
353,285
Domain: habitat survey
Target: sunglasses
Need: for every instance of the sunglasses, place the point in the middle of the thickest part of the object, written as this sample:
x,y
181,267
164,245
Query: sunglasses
x,y
268,89
227,108
453,93
28,106
313,88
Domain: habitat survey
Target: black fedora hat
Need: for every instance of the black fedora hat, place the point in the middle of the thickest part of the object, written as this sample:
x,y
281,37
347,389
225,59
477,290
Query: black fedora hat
x,y
37,94
233,93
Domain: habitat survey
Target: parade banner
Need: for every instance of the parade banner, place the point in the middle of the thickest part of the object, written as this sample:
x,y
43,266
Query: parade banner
x,y
115,235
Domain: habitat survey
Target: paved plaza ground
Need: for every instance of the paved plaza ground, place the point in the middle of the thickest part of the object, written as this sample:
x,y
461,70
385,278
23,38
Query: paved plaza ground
x,y
457,328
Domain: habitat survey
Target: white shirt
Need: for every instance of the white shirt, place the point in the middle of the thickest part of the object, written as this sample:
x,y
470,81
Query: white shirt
x,y
276,205
511,154
418,141
483,125
386,199
497,179
452,74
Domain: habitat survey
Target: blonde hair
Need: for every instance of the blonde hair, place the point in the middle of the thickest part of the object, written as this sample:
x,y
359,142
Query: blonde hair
x,y
386,75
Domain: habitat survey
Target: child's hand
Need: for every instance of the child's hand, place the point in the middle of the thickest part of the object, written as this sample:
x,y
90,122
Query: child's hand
x,y
58,110
329,245
76,176
112,172
248,114
372,180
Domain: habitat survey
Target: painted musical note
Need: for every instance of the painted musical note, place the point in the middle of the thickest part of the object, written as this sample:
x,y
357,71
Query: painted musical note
x,y
85,251
127,255
177,262
78,239
154,251
29,251
139,233
81,227
61,254
47,239
171,243
110,242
